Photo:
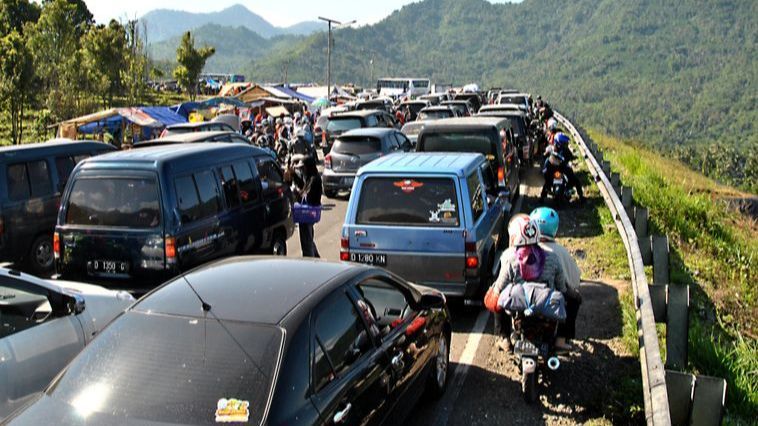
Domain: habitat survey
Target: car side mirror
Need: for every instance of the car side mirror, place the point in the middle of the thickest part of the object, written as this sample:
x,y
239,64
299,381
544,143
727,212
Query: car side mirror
x,y
76,304
432,301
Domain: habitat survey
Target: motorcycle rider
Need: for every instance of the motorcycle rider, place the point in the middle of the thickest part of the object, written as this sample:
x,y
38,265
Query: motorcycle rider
x,y
558,159
552,130
547,220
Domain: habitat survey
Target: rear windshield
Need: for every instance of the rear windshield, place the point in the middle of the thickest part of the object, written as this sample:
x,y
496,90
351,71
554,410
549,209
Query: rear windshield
x,y
178,370
357,146
434,115
516,124
464,141
114,202
408,202
343,124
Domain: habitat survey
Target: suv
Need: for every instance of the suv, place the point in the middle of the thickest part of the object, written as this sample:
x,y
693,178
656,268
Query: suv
x,y
527,149
357,148
485,135
196,137
462,108
341,123
33,178
131,220
383,104
434,219
473,98
205,126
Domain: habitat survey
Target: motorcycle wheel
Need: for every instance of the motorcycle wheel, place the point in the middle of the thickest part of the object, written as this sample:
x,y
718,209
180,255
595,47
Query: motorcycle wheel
x,y
529,387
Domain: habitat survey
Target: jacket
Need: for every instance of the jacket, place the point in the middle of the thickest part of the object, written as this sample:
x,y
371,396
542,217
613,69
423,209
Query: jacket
x,y
552,272
568,264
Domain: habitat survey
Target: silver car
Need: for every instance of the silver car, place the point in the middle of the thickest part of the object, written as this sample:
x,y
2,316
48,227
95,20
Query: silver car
x,y
43,325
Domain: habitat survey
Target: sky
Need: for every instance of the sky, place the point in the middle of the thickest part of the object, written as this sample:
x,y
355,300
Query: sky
x,y
279,13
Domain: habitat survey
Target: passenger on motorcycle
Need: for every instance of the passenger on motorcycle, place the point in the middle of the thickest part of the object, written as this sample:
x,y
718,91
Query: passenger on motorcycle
x,y
559,158
547,220
552,130
524,262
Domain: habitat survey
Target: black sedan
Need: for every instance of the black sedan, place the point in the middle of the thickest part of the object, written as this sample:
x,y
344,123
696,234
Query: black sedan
x,y
263,341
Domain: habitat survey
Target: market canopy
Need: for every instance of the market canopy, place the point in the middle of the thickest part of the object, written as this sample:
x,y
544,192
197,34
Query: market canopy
x,y
110,120
295,94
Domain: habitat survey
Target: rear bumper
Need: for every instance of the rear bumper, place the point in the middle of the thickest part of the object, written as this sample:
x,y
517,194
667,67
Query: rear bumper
x,y
471,289
336,181
136,285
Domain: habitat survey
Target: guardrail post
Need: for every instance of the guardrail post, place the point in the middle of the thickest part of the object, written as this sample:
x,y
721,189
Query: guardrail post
x,y
607,167
646,249
626,200
680,387
659,298
677,326
708,401
660,259
640,221
599,156
616,182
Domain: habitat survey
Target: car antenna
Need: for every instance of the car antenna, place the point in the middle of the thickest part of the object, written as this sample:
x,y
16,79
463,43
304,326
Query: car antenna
x,y
204,304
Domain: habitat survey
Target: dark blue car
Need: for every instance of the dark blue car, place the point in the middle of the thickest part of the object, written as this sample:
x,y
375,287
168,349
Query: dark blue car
x,y
134,219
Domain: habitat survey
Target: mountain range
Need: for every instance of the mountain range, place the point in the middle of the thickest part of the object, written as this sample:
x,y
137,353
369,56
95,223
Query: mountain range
x,y
163,24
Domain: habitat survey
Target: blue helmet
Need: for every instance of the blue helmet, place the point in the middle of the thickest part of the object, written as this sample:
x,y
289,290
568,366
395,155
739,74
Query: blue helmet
x,y
561,140
547,220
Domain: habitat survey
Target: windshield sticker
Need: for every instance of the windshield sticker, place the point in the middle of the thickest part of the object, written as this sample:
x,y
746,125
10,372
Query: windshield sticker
x,y
232,411
447,206
408,185
449,217
434,216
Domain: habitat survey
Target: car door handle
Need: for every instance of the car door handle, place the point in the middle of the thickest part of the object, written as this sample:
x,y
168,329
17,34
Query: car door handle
x,y
341,416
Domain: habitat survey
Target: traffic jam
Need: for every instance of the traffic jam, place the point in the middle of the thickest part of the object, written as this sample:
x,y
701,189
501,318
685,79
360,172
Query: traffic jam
x,y
178,281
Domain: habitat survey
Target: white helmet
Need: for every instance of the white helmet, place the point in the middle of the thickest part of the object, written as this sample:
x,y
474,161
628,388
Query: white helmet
x,y
528,234
552,124
514,226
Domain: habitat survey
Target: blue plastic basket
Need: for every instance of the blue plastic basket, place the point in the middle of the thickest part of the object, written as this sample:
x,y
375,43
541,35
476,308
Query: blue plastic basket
x,y
303,213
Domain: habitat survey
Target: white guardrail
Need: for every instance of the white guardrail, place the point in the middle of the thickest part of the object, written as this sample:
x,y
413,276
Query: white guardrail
x,y
653,372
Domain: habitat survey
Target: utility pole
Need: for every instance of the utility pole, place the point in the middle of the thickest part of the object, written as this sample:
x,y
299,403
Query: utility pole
x,y
329,53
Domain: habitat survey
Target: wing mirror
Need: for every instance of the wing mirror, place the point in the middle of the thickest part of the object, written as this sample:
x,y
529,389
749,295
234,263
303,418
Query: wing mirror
x,y
432,301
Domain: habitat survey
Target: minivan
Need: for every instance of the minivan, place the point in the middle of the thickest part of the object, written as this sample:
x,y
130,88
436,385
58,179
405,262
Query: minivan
x,y
485,135
341,123
131,220
34,176
435,219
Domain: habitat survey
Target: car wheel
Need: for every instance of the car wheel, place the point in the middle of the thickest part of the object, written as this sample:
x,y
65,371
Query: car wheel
x,y
41,258
330,193
279,245
438,378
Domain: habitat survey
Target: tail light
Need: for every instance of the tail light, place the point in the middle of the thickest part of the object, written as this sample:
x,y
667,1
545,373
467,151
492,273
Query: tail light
x,y
57,245
344,249
170,248
324,137
557,175
328,161
2,226
501,176
472,258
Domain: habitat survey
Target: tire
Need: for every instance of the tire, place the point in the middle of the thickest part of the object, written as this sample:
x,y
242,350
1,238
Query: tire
x,y
40,260
529,387
279,244
440,371
330,193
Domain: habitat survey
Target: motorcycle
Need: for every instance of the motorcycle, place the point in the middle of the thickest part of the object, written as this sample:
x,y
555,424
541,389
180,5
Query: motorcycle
x,y
560,190
533,342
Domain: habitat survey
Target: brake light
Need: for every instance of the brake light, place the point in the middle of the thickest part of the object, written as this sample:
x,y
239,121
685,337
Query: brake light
x,y
57,245
557,175
323,137
472,258
170,247
344,243
501,176
344,249
328,161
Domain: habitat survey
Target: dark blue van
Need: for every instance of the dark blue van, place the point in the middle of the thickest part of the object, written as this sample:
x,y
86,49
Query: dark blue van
x,y
133,219
33,178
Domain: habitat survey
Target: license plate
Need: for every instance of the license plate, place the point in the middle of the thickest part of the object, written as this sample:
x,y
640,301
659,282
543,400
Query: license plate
x,y
376,259
557,181
110,267
525,347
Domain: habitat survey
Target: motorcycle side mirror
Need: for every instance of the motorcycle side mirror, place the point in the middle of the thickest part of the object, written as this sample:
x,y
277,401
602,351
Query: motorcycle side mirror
x,y
431,301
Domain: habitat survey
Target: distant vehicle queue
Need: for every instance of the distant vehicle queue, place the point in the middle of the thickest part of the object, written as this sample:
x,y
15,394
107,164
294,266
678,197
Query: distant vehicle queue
x,y
431,180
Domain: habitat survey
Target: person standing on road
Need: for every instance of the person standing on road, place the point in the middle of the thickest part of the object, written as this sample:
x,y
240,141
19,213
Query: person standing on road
x,y
309,189
547,220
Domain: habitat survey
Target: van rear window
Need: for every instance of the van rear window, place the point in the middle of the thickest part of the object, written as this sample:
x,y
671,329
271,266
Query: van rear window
x,y
408,202
343,124
460,142
114,202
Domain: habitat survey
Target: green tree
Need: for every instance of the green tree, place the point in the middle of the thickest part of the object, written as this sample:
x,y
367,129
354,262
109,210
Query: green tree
x,y
191,63
135,73
16,80
14,14
105,57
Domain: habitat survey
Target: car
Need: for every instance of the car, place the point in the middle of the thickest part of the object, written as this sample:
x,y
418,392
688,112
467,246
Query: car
x,y
34,176
435,219
204,126
473,98
45,323
521,99
526,147
414,107
503,108
357,148
341,123
196,137
434,99
257,340
131,220
462,108
412,129
384,104
485,135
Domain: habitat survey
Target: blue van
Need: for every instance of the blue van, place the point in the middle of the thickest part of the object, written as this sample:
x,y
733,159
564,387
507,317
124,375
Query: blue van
x,y
133,219
436,219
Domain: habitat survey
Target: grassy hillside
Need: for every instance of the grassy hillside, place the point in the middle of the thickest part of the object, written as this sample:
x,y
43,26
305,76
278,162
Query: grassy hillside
x,y
678,76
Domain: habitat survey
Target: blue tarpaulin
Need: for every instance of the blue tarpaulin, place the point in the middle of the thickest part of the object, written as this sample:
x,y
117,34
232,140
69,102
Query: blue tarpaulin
x,y
186,108
295,94
164,115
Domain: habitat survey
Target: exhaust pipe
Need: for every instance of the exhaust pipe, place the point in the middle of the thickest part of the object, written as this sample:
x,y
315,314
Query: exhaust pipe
x,y
553,363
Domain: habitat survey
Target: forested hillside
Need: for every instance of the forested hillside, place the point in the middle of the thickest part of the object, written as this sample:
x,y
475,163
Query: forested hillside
x,y
677,76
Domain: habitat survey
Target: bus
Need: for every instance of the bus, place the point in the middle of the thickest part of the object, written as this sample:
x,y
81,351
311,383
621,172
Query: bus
x,y
395,87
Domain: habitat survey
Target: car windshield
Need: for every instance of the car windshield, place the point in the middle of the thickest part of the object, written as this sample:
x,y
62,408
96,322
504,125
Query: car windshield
x,y
460,141
435,115
114,202
343,124
516,124
173,369
357,145
410,201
